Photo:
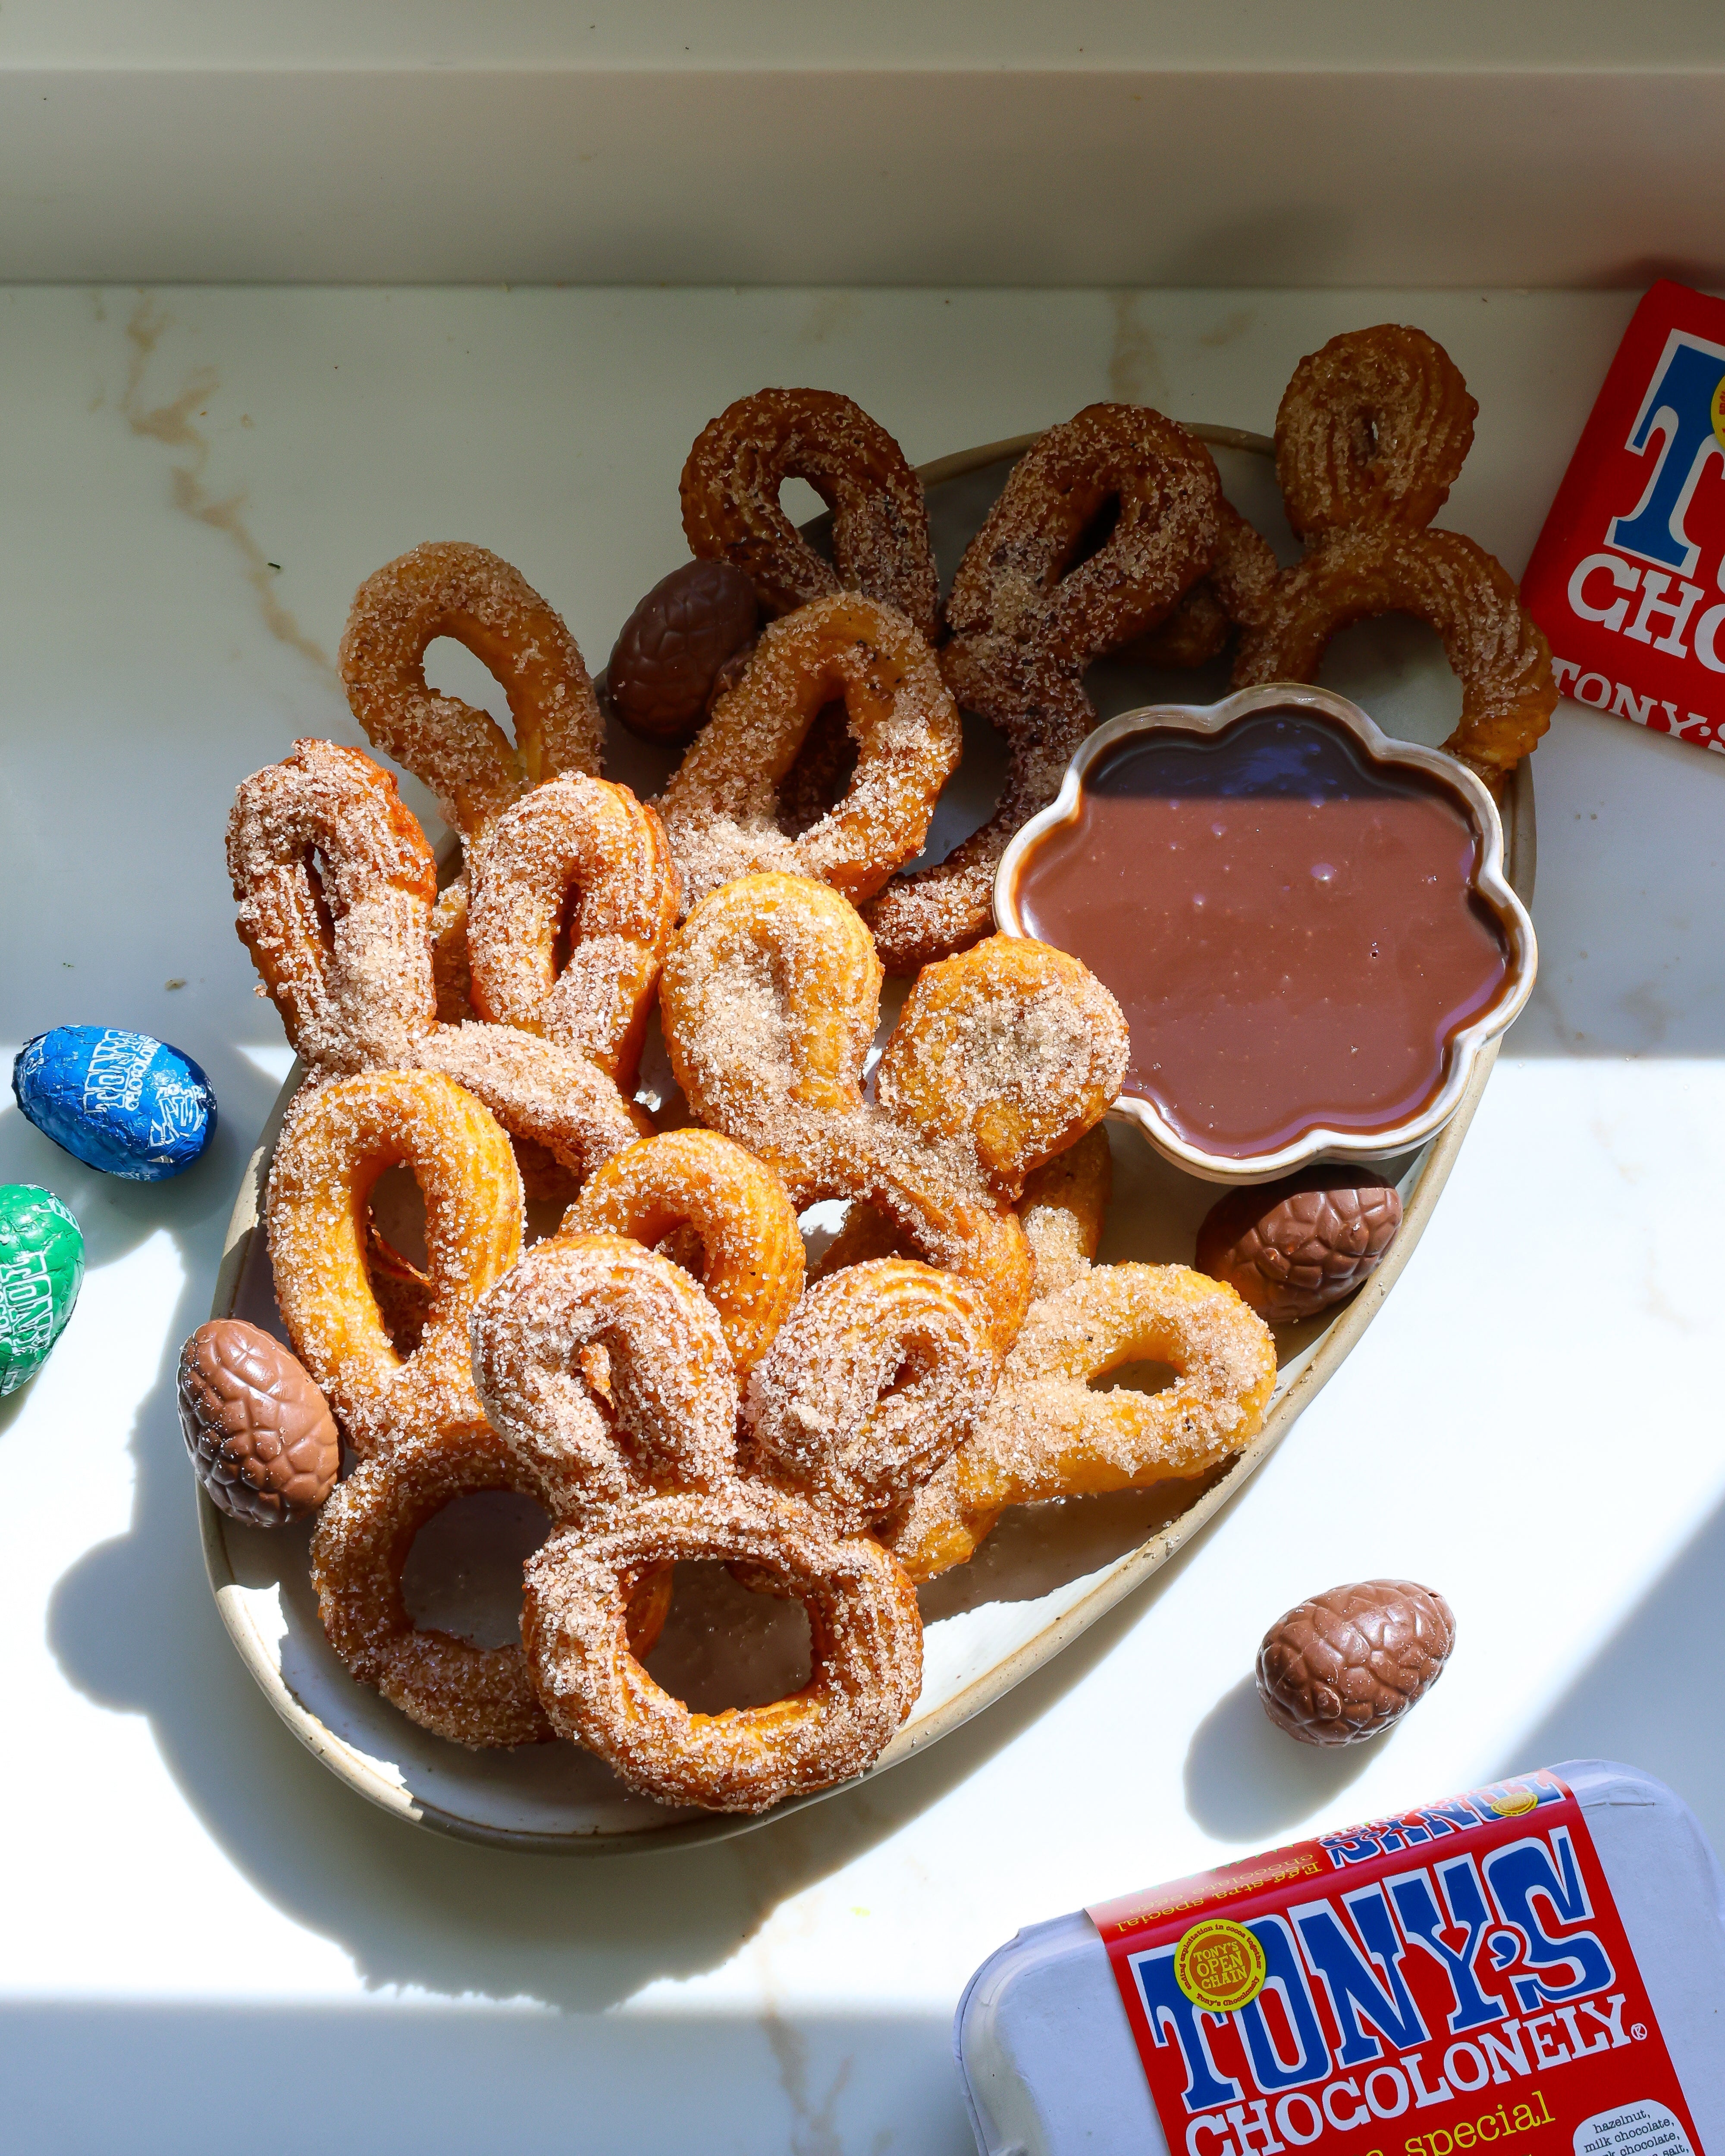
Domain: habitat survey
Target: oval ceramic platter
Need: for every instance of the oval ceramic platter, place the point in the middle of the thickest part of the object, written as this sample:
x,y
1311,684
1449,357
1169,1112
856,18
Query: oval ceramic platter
x,y
1047,1571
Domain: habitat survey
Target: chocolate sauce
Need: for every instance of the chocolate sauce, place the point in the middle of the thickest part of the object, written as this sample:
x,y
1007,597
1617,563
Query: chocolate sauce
x,y
1290,927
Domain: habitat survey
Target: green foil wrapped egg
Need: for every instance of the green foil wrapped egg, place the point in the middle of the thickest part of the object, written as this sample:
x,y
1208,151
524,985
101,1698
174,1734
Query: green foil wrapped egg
x,y
41,1271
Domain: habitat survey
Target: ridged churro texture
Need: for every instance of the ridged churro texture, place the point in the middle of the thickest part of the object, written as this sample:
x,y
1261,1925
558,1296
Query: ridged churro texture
x,y
722,806
1030,610
1372,434
730,487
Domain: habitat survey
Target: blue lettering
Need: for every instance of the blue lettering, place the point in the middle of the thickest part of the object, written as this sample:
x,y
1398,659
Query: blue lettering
x,y
1678,408
1287,1978
1351,1980
1167,2007
1416,1904
1515,1874
1457,1818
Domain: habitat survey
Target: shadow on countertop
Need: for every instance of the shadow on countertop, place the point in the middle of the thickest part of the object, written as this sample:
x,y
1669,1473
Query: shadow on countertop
x,y
1246,1779
398,2078
1650,1695
134,1627
1648,1698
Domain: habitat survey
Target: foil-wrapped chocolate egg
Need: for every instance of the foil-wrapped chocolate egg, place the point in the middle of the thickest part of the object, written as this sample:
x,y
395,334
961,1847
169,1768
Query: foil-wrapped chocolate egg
x,y
667,657
121,1101
41,1271
259,1431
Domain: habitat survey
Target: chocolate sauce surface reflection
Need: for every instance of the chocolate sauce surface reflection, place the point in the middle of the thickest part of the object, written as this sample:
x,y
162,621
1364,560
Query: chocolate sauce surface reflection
x,y
1289,927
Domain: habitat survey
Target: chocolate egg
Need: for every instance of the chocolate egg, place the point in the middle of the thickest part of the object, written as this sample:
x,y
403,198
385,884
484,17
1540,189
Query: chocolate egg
x,y
41,1271
670,650
1292,1248
259,1431
120,1102
1341,1667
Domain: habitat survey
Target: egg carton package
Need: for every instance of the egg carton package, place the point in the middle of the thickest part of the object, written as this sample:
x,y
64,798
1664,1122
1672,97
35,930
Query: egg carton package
x,y
1539,1964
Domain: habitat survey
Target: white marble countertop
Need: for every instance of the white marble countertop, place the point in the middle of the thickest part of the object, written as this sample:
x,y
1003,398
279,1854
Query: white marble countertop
x,y
205,1942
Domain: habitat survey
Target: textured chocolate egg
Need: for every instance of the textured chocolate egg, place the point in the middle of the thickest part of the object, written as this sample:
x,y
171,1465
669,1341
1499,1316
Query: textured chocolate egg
x,y
259,1431
1349,1662
1292,1248
672,647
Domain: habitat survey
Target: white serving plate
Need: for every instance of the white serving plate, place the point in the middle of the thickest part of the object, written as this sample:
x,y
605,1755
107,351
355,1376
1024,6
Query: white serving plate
x,y
1045,1574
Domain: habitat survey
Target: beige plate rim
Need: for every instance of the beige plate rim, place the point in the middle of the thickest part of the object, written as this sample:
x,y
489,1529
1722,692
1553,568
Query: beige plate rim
x,y
1127,1572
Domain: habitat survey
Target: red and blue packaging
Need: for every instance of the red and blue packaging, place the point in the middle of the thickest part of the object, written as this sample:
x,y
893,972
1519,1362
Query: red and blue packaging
x,y
1536,1968
1455,1977
1628,577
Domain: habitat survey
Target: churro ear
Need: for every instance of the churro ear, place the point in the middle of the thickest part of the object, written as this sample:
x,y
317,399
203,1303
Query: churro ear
x,y
1009,1052
1374,427
770,997
334,885
723,808
579,854
695,1185
876,1379
446,588
666,1416
731,509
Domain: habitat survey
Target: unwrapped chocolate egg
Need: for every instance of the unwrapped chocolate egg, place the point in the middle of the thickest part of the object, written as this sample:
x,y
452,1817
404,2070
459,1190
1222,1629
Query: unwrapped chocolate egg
x,y
120,1102
1291,1249
671,648
41,1271
259,1431
1349,1662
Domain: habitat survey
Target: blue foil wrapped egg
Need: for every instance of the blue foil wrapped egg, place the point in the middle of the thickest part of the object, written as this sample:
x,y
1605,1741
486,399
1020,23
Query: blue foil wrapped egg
x,y
120,1102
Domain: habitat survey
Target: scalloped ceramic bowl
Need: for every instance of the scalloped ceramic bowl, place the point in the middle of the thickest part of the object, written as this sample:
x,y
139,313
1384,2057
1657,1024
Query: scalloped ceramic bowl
x,y
1488,883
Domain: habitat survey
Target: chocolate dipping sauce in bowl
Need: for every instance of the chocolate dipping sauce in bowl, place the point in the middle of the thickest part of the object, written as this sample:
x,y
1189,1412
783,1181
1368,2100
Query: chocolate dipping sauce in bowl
x,y
1307,924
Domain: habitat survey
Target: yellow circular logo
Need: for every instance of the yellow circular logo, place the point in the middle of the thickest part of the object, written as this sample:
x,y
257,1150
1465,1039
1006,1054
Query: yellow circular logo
x,y
1719,411
1516,1799
1219,1965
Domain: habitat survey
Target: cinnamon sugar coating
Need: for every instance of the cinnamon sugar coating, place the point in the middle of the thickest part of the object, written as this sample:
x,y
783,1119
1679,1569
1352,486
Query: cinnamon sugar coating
x,y
1004,1056
1373,428
334,882
1028,616
1371,434
446,588
339,1137
721,807
750,1247
1493,645
579,857
604,1372
1064,1208
1231,591
1046,1434
926,915
479,1696
769,1000
730,492
879,1373
865,1640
